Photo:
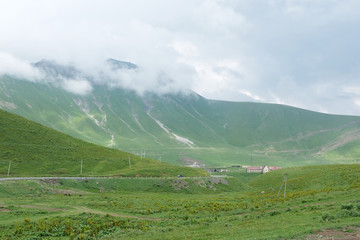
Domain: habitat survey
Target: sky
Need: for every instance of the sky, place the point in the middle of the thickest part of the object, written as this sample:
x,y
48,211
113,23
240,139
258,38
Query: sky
x,y
302,53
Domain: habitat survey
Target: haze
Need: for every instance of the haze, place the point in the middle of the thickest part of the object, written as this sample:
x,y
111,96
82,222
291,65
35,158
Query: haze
x,y
300,53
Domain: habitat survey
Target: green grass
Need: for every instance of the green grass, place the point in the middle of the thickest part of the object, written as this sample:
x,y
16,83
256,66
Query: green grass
x,y
312,178
158,209
35,150
224,133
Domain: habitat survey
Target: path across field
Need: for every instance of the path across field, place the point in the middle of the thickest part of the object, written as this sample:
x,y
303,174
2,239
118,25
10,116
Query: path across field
x,y
51,178
89,178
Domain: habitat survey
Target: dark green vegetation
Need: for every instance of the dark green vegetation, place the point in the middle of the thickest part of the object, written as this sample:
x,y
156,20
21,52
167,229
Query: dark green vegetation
x,y
35,150
243,206
177,126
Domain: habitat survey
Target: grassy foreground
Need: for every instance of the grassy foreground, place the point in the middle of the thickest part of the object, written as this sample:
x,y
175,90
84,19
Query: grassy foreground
x,y
35,150
243,206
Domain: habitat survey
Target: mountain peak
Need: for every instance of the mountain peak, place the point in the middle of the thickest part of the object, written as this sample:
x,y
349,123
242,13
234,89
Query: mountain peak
x,y
116,64
55,69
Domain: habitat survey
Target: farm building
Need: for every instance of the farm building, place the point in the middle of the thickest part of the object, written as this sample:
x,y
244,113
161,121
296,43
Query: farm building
x,y
274,168
263,169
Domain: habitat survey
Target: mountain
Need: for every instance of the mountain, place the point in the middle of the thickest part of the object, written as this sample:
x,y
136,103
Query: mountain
x,y
35,150
116,64
52,69
184,126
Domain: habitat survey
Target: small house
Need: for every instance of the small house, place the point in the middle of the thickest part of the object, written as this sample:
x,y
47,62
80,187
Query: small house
x,y
263,169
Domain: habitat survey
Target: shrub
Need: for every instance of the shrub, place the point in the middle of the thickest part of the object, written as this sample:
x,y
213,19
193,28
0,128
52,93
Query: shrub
x,y
347,207
274,213
327,217
349,213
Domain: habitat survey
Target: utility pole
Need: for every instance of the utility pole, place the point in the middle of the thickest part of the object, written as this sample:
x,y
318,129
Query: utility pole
x,y
129,161
81,167
283,183
279,189
9,168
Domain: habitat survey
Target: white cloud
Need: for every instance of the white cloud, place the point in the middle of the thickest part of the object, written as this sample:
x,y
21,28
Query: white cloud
x,y
214,16
251,95
184,48
14,67
224,49
77,86
351,90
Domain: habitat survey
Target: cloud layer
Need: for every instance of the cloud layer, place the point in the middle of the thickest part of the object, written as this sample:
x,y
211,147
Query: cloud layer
x,y
301,53
10,65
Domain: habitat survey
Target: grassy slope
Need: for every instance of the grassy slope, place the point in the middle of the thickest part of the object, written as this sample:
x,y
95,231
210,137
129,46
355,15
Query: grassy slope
x,y
270,133
224,133
331,177
196,212
37,150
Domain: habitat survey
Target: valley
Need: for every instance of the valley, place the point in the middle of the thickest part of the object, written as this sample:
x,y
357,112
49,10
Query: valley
x,y
185,125
111,165
150,200
180,120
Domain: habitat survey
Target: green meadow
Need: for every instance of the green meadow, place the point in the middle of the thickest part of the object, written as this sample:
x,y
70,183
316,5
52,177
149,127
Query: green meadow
x,y
31,149
144,198
237,206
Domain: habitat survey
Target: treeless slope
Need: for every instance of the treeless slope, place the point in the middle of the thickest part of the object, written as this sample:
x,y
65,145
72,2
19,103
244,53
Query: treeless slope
x,y
37,150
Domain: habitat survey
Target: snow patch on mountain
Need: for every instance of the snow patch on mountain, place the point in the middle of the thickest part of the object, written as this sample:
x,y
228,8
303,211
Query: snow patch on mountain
x,y
163,126
183,140
8,105
112,141
84,107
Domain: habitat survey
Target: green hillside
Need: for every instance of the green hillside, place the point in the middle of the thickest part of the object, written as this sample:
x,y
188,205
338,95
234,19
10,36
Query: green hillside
x,y
317,198
311,178
35,150
187,126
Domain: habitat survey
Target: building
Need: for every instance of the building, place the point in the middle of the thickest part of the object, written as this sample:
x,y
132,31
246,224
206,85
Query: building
x,y
254,170
274,168
263,169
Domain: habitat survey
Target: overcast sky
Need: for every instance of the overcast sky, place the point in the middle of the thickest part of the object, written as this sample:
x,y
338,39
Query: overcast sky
x,y
303,53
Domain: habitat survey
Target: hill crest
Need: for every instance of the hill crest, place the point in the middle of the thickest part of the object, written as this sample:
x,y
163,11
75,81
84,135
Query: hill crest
x,y
186,125
35,150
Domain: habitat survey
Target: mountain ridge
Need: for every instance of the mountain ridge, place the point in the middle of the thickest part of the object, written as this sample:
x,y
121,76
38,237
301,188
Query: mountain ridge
x,y
180,125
